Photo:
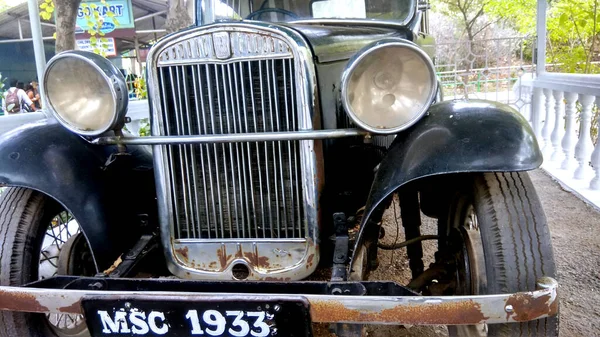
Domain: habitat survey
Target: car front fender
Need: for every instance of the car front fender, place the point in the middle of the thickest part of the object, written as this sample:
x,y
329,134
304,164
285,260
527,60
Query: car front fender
x,y
46,157
455,137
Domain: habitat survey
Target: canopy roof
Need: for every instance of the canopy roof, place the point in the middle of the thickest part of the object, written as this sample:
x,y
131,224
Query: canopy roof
x,y
9,23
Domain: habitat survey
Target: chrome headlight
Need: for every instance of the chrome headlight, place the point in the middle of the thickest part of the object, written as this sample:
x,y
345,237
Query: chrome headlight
x,y
388,86
85,92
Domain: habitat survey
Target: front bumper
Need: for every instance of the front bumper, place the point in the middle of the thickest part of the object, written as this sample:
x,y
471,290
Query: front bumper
x,y
345,302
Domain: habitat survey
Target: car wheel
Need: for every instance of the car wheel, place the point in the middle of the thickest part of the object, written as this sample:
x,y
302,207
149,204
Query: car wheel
x,y
40,240
496,232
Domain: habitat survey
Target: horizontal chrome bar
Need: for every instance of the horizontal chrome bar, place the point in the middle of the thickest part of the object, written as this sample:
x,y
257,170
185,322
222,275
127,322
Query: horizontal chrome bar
x,y
241,240
230,138
446,310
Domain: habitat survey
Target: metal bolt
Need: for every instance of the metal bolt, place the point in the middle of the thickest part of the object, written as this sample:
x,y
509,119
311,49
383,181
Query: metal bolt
x,y
274,332
277,308
509,308
340,256
127,305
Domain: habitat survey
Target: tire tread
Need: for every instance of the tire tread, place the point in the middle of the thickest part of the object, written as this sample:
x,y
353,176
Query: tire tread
x,y
516,241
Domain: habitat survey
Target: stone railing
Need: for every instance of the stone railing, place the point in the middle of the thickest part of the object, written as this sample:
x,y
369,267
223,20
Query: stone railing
x,y
563,107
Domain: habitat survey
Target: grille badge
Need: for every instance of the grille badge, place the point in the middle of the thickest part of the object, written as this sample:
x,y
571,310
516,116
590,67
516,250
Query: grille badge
x,y
222,45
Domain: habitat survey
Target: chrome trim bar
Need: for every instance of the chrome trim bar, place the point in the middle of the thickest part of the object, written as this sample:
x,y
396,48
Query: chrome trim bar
x,y
418,310
230,138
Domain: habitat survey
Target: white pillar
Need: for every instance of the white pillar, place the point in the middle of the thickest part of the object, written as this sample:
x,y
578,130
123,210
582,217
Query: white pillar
x,y
570,137
559,125
540,62
595,183
547,129
584,146
536,113
38,46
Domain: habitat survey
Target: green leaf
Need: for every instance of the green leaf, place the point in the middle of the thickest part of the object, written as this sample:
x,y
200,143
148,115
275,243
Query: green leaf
x,y
103,39
43,5
582,23
110,14
563,19
93,40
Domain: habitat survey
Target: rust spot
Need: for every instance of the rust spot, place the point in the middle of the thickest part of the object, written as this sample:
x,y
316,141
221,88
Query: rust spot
x,y
212,265
463,312
309,261
183,253
238,254
24,302
223,257
73,308
256,260
526,307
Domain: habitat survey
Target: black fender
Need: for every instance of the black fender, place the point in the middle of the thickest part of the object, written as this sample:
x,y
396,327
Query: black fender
x,y
46,157
454,137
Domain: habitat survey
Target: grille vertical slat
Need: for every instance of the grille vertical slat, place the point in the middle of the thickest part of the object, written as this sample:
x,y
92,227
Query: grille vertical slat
x,y
288,143
233,190
200,115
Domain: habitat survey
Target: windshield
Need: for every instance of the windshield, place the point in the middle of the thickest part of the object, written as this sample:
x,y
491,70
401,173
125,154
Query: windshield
x,y
399,11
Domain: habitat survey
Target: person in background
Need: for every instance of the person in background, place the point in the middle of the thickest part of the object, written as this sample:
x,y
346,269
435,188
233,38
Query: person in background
x,y
36,94
21,85
33,95
14,99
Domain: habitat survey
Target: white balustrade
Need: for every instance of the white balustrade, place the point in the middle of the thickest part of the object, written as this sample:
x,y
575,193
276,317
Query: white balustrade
x,y
559,125
569,138
548,121
595,162
584,146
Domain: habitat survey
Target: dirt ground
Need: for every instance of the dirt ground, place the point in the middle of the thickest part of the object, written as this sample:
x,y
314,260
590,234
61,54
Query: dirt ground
x,y
575,229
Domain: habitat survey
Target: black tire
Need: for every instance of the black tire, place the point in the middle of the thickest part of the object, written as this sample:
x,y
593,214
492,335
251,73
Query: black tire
x,y
24,218
515,240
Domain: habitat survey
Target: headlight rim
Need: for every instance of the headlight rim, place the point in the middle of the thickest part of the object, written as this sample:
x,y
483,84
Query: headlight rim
x,y
365,52
110,74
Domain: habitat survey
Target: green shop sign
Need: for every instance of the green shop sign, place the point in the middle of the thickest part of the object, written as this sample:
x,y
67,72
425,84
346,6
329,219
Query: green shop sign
x,y
119,10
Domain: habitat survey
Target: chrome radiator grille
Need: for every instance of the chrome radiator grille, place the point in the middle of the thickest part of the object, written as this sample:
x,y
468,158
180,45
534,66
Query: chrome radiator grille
x,y
233,190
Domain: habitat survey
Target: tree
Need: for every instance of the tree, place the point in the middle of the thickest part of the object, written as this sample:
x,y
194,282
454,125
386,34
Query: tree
x,y
470,14
66,17
66,22
572,30
178,15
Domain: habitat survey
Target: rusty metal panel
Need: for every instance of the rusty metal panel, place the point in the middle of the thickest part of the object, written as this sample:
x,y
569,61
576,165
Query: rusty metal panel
x,y
447,310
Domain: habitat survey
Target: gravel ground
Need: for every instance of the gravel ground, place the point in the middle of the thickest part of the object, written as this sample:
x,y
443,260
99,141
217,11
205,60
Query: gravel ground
x,y
577,254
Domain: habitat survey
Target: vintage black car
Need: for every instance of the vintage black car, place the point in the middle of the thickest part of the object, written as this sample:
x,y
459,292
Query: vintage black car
x,y
280,133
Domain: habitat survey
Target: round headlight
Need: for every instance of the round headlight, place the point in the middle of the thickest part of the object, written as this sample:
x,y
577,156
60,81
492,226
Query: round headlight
x,y
388,86
85,92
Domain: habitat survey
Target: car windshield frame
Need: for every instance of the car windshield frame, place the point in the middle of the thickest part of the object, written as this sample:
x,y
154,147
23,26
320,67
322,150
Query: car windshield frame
x,y
206,14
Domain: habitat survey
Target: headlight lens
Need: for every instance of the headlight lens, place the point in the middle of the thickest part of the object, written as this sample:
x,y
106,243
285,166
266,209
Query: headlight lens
x,y
388,86
85,92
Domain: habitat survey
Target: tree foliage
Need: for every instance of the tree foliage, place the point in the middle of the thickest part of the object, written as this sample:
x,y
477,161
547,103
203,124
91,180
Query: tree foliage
x,y
66,16
572,29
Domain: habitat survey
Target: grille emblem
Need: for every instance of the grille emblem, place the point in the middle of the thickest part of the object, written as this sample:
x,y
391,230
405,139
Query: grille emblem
x,y
222,45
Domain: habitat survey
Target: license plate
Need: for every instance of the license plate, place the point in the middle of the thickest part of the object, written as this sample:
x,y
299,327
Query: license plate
x,y
243,318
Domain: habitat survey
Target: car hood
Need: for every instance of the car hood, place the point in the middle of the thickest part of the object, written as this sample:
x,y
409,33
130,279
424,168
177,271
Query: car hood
x,y
332,43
